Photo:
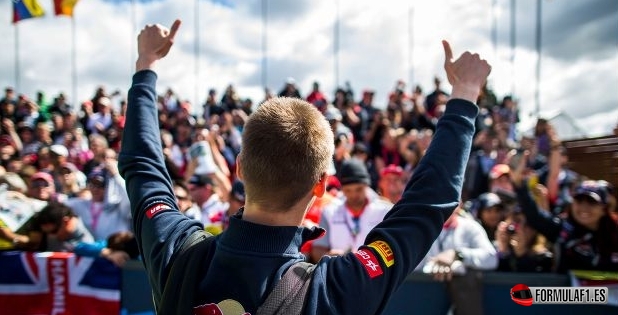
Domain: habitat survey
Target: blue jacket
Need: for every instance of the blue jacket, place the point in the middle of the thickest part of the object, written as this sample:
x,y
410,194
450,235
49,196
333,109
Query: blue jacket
x,y
249,258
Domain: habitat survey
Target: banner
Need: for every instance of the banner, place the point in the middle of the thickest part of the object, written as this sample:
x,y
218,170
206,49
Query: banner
x,y
591,278
58,283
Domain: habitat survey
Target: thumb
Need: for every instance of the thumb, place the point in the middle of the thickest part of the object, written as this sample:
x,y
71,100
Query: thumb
x,y
448,53
174,29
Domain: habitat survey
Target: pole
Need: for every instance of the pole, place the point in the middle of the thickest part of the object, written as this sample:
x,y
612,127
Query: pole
x,y
264,43
17,75
537,93
513,44
133,37
411,44
494,28
74,62
197,53
336,44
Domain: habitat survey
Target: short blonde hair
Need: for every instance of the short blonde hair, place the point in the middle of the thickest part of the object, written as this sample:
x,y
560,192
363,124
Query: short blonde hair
x,y
287,146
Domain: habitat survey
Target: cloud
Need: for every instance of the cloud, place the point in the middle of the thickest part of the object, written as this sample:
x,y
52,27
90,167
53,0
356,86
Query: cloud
x,y
380,42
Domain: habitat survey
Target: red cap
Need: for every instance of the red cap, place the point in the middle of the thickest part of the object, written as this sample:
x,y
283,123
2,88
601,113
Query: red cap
x,y
392,169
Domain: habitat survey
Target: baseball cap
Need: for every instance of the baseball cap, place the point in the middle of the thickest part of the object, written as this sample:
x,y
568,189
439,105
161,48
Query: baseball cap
x,y
42,176
499,170
592,189
200,180
96,176
392,169
69,166
59,150
488,200
353,171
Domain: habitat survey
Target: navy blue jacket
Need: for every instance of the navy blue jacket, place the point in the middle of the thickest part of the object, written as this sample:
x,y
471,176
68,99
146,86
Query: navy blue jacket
x,y
250,258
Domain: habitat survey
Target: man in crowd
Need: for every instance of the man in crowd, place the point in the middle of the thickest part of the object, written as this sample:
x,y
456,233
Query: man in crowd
x,y
242,265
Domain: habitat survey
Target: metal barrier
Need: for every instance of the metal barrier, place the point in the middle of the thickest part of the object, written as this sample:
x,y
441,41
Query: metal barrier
x,y
419,294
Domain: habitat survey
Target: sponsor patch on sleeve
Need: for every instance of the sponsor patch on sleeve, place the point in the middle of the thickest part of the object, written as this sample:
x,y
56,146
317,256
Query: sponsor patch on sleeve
x,y
370,262
156,209
384,251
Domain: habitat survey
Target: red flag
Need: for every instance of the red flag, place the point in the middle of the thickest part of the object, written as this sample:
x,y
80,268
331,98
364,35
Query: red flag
x,y
64,7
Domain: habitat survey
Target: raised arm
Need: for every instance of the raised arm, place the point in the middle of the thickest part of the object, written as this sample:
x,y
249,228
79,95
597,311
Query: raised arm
x,y
397,244
159,227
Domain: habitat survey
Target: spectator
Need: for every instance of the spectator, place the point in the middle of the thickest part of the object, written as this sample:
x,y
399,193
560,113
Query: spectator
x,y
185,202
520,247
489,210
202,188
316,97
587,239
42,187
101,120
349,220
290,89
392,183
108,211
236,200
461,250
435,98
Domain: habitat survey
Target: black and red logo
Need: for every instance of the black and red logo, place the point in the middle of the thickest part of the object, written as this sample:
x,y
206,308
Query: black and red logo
x,y
521,294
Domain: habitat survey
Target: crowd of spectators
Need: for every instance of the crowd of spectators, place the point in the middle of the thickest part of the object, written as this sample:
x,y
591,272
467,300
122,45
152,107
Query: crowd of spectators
x,y
522,208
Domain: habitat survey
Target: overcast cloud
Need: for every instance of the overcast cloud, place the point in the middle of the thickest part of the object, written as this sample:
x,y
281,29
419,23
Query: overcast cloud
x,y
579,49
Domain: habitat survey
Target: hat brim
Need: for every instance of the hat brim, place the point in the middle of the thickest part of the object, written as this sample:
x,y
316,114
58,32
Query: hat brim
x,y
589,194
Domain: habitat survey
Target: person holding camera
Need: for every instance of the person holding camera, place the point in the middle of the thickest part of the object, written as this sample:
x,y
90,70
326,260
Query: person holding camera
x,y
520,247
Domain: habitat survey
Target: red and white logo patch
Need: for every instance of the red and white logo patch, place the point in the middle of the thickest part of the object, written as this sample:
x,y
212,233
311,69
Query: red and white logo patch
x,y
154,210
369,261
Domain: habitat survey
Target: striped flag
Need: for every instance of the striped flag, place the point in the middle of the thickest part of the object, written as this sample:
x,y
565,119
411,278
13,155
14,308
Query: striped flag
x,y
64,7
25,9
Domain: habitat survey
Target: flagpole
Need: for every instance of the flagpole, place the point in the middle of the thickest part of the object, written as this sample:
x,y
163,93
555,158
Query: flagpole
x,y
133,37
74,61
513,43
17,76
411,44
197,52
336,45
537,96
264,43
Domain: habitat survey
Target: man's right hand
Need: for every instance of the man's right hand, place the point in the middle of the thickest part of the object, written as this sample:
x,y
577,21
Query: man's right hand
x,y
153,43
467,74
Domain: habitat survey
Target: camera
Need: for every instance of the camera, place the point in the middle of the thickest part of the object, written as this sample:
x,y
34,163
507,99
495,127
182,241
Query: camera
x,y
512,228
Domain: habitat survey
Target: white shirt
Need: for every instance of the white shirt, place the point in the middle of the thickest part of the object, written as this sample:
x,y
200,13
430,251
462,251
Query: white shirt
x,y
342,231
469,238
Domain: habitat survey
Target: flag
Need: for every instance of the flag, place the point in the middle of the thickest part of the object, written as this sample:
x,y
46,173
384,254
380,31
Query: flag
x,y
64,7
25,9
58,283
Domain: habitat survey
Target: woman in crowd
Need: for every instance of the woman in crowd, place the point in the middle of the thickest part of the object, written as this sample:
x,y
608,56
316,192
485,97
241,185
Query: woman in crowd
x,y
520,247
587,239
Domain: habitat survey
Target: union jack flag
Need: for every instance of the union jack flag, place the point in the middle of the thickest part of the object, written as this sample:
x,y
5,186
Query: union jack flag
x,y
57,283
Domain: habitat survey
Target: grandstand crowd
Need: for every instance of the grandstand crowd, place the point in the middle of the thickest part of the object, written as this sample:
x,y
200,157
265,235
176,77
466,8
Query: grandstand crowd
x,y
522,208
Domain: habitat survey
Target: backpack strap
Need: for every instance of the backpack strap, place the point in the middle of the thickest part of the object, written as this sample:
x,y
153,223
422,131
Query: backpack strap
x,y
179,290
288,295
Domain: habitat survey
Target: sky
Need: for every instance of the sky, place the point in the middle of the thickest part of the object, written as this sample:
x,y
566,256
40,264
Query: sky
x,y
224,42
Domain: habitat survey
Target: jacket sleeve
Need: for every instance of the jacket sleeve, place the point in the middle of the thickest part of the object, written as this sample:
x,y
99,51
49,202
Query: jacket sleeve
x,y
480,253
542,221
396,245
160,229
